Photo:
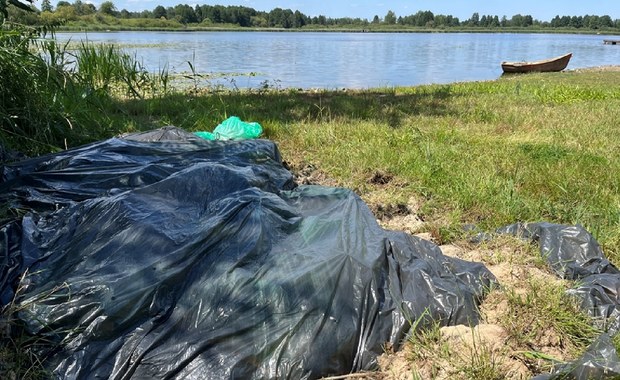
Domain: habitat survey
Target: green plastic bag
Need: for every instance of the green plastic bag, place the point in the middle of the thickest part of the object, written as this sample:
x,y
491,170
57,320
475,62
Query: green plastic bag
x,y
205,135
233,128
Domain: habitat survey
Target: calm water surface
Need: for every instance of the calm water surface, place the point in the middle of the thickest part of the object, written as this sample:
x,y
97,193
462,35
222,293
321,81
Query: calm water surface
x,y
350,60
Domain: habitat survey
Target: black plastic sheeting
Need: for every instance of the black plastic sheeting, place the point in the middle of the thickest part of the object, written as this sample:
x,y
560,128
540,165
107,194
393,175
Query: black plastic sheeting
x,y
574,254
161,255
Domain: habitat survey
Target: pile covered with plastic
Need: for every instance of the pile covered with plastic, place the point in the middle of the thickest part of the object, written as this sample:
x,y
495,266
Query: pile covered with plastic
x,y
163,255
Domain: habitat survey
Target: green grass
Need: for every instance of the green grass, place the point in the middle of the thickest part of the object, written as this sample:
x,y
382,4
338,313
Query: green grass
x,y
19,358
455,360
546,310
544,325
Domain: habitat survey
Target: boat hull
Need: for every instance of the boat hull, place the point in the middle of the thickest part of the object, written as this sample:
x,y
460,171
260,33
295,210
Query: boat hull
x,y
549,65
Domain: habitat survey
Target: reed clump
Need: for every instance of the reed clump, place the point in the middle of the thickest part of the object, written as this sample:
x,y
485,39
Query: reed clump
x,y
53,97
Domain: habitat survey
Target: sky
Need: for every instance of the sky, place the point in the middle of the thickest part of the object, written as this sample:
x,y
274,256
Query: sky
x,y
543,10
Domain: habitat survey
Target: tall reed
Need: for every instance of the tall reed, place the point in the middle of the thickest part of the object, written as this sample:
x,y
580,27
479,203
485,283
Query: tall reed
x,y
52,97
30,110
107,68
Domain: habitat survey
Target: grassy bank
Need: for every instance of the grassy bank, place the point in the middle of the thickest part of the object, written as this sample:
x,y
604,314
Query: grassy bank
x,y
539,147
526,148
521,148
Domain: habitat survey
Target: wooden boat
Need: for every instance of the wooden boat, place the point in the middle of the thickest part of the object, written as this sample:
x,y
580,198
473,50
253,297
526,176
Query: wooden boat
x,y
553,64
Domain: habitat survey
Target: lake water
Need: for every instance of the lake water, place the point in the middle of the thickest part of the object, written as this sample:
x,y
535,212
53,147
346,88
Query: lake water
x,y
350,60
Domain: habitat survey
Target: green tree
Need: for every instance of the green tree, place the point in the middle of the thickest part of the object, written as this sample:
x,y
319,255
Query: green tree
x,y
65,13
241,16
576,22
198,12
78,5
441,20
390,18
160,12
426,18
520,20
82,8
108,8
46,6
21,16
287,19
89,9
259,21
283,18
605,21
213,13
474,20
185,14
275,16
300,19
19,4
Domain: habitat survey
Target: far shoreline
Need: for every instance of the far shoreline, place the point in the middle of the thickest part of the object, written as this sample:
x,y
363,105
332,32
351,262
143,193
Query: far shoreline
x,y
116,28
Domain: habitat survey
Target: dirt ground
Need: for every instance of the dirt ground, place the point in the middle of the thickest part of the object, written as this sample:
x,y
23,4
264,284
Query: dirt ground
x,y
464,345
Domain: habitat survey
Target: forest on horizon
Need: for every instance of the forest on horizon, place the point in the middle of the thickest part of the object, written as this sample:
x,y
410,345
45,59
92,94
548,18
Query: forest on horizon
x,y
66,13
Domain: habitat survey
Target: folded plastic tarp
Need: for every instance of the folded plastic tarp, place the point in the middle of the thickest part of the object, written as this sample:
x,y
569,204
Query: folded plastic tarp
x,y
571,251
162,255
574,254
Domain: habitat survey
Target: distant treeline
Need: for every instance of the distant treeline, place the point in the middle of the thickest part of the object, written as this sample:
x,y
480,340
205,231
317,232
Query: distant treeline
x,y
210,15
